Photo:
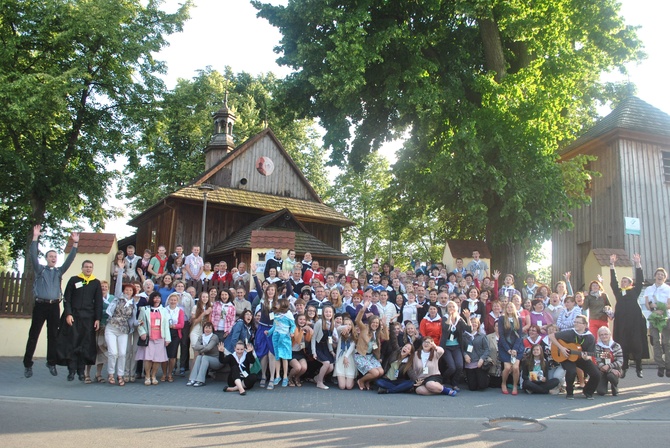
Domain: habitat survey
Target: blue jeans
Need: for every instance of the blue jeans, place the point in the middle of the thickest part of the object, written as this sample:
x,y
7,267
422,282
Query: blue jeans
x,y
395,387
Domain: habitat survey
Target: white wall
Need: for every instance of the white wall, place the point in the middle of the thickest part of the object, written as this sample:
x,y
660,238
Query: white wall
x,y
14,335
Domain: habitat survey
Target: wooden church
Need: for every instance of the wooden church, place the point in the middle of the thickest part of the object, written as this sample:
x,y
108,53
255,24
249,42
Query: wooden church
x,y
632,146
254,189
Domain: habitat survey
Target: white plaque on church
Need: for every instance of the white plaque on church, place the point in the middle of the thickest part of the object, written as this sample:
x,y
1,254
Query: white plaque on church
x,y
632,226
265,165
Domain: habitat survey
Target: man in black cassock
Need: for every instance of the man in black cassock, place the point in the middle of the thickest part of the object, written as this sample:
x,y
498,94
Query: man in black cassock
x,y
82,303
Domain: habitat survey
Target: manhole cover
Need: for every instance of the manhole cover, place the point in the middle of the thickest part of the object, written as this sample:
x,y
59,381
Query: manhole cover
x,y
516,424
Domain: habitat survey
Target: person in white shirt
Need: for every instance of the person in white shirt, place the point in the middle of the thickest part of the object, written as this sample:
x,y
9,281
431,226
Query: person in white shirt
x,y
656,294
193,264
387,310
410,311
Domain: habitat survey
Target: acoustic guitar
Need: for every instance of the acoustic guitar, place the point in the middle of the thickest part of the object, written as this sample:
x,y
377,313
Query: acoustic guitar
x,y
574,352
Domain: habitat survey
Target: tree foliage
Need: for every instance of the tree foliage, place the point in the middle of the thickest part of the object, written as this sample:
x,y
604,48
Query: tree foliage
x,y
360,197
420,234
78,83
490,91
5,253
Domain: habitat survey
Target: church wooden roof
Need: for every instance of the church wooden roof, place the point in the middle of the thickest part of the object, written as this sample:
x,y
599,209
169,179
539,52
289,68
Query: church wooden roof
x,y
300,208
282,222
632,115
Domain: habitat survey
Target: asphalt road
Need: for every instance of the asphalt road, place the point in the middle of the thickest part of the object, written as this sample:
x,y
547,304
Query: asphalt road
x,y
50,411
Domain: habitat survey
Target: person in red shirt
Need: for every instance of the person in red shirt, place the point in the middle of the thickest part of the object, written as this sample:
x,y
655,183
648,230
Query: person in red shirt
x,y
431,324
313,272
222,275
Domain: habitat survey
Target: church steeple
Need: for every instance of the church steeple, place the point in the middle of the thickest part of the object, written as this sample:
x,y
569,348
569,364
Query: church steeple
x,y
222,141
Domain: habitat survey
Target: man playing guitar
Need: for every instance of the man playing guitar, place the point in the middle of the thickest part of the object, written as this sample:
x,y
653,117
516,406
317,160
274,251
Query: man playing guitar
x,y
581,337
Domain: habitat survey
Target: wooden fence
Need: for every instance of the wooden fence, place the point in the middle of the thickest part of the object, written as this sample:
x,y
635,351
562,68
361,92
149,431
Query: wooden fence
x,y
15,295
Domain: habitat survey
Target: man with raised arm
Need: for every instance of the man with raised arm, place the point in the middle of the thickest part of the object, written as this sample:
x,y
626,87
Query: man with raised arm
x,y
47,294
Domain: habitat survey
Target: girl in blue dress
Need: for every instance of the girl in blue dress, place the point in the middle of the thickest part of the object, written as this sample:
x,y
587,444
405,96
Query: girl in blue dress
x,y
282,329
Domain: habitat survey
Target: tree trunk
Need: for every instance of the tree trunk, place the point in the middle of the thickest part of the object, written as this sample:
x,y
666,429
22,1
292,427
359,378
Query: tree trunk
x,y
509,258
506,256
521,57
493,49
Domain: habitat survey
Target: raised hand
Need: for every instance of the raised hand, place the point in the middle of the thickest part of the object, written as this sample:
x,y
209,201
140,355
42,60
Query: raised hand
x,y
567,276
496,274
252,267
637,259
75,237
613,259
37,231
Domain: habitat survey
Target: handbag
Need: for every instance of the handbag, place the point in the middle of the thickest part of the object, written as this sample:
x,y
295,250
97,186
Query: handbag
x,y
143,342
255,368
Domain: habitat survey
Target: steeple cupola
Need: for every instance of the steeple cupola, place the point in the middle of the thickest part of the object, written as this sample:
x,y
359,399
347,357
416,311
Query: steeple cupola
x,y
222,141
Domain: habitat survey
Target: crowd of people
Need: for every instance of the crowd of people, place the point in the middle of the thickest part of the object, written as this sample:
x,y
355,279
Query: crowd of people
x,y
429,330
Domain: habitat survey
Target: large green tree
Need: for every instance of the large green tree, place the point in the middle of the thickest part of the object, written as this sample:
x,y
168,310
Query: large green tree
x,y
173,154
78,83
488,90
